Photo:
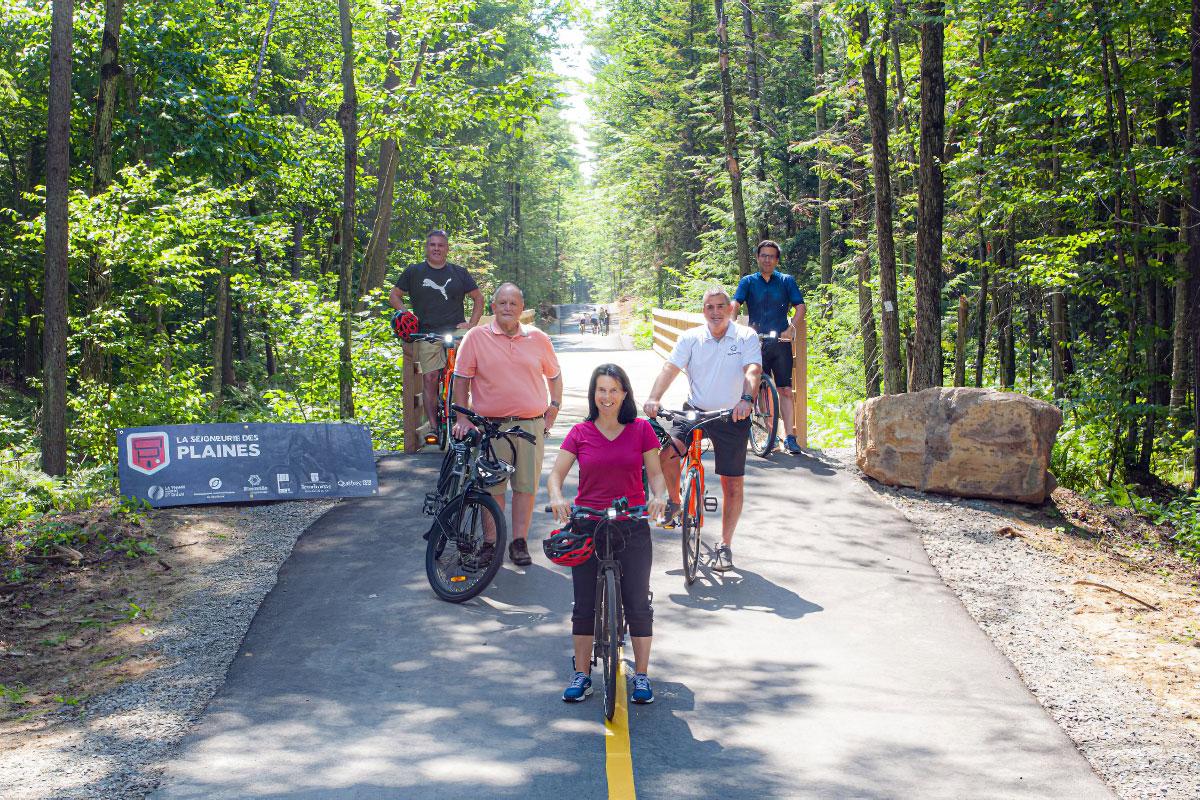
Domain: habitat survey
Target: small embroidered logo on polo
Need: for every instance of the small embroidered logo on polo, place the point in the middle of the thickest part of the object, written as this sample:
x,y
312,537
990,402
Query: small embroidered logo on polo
x,y
733,351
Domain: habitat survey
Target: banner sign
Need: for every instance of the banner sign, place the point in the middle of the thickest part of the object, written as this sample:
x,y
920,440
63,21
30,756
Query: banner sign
x,y
179,465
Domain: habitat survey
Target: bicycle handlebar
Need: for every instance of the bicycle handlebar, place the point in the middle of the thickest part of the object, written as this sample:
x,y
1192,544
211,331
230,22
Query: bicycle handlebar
x,y
619,510
446,340
492,429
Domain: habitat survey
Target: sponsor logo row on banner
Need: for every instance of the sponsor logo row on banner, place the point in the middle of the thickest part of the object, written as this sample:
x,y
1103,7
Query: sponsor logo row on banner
x,y
187,464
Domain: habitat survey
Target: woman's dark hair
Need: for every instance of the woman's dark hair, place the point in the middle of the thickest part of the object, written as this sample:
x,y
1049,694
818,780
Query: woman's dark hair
x,y
628,411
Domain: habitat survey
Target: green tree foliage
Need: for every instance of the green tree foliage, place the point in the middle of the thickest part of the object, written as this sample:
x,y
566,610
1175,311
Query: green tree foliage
x,y
1064,165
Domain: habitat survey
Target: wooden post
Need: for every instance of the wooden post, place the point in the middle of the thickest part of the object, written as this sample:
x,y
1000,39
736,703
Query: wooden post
x,y
800,380
412,399
960,348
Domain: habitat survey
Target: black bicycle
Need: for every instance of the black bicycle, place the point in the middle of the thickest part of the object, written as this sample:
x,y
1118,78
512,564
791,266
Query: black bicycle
x,y
610,613
764,417
460,559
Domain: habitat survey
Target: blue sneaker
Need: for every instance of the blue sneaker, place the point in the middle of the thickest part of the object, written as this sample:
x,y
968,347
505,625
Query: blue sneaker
x,y
580,688
792,446
642,693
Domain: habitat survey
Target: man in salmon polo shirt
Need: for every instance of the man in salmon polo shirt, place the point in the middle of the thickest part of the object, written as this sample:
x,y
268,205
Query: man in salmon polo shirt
x,y
511,374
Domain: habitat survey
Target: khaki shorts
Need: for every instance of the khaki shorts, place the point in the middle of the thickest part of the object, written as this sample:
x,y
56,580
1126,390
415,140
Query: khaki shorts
x,y
430,356
528,456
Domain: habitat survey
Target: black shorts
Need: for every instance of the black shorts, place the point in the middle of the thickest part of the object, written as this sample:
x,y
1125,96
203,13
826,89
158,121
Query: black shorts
x,y
729,440
777,362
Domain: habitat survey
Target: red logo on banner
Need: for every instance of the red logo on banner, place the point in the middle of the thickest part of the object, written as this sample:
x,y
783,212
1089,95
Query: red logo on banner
x,y
147,452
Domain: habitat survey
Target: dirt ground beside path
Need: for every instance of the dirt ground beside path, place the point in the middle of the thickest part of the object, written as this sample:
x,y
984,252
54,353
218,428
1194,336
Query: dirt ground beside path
x,y
83,627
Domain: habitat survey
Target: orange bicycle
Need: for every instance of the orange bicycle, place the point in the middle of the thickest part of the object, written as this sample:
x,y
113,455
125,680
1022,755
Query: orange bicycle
x,y
441,419
694,497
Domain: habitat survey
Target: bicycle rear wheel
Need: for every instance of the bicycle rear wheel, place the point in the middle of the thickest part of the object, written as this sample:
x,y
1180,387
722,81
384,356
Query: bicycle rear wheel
x,y
608,638
764,418
456,567
690,520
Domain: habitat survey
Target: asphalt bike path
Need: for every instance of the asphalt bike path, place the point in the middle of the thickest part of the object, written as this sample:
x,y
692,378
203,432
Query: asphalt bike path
x,y
831,663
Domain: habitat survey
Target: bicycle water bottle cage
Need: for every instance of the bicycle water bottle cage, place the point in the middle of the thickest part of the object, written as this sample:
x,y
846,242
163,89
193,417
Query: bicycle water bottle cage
x,y
710,503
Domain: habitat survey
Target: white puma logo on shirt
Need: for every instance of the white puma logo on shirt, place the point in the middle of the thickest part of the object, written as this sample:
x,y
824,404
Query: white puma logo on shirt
x,y
429,282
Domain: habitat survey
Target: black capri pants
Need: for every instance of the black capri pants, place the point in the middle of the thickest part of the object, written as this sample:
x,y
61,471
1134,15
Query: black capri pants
x,y
633,549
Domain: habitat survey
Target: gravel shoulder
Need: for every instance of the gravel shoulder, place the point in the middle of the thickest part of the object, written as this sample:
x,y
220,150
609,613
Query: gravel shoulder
x,y
153,670
1103,627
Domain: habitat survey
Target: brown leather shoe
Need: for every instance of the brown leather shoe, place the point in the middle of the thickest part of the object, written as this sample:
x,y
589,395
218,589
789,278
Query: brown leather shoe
x,y
518,553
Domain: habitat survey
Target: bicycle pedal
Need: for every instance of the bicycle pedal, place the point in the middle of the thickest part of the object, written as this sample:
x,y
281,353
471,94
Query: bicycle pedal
x,y
430,507
710,503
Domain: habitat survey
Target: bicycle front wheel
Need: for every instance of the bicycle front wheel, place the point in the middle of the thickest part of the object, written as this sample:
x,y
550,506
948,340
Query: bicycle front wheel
x,y
764,418
610,655
458,563
690,519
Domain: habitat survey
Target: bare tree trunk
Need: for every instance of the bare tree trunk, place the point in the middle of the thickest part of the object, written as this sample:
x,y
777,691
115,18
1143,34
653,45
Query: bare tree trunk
x,y
54,303
220,325
755,90
881,169
1060,335
731,157
826,229
927,336
960,348
1193,178
99,280
374,267
866,313
982,312
1180,347
348,120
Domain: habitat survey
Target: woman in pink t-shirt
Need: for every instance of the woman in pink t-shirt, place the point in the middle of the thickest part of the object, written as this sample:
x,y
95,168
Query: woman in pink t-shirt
x,y
612,447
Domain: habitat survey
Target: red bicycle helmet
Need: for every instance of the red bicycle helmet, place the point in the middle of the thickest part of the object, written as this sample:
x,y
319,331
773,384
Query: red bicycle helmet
x,y
405,324
567,548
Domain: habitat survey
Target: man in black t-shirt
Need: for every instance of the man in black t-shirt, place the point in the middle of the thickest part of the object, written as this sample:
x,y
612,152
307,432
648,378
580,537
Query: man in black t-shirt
x,y
435,290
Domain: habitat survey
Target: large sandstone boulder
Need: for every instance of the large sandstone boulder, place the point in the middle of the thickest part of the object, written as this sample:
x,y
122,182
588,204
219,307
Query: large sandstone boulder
x,y
965,442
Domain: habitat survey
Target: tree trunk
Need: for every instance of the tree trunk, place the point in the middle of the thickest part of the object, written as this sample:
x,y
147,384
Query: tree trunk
x,y
374,267
927,337
755,90
1180,346
99,280
1060,335
960,348
106,96
54,303
1193,179
866,313
880,165
731,157
348,120
826,229
220,325
982,314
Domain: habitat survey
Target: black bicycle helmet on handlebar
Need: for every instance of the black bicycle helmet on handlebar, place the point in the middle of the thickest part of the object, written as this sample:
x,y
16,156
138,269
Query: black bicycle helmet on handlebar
x,y
492,471
664,438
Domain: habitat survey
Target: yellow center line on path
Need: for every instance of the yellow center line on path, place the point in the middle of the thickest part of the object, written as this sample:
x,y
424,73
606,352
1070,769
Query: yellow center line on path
x,y
619,754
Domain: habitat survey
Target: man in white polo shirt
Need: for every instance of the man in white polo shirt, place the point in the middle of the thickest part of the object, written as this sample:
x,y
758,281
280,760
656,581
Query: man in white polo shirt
x,y
723,361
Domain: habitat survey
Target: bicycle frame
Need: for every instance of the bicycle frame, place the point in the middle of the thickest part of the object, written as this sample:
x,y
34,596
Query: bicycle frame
x,y
694,453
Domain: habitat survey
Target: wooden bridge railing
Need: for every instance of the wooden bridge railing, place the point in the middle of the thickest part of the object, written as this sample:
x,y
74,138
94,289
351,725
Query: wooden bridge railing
x,y
669,324
414,433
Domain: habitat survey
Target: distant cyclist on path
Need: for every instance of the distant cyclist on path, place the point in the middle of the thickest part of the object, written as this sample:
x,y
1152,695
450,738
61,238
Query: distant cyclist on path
x,y
768,295
612,447
723,362
436,290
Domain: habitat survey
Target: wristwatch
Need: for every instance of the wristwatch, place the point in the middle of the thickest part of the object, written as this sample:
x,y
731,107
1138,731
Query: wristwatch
x,y
556,404
748,398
